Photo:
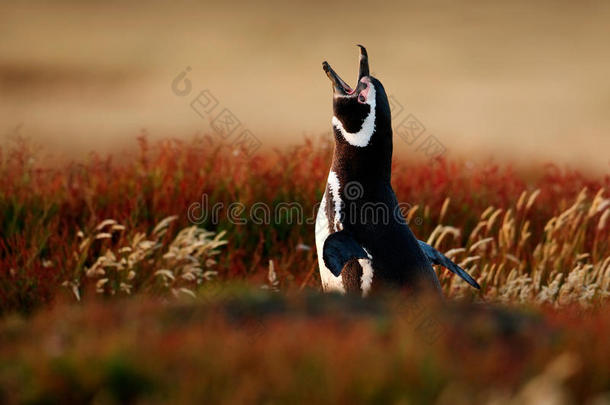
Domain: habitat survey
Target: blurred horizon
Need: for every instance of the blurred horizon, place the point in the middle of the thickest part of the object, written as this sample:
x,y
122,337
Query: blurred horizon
x,y
518,82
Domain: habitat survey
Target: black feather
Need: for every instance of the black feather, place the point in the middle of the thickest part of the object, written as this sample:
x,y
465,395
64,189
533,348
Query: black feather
x,y
437,257
338,249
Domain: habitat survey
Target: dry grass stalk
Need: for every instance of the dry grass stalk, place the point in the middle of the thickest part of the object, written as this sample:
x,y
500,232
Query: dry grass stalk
x,y
567,264
145,263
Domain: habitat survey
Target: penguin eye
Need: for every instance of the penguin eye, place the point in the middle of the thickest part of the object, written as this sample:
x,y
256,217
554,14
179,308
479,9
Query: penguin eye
x,y
364,94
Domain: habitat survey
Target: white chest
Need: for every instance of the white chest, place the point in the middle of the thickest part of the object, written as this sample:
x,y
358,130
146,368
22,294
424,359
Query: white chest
x,y
329,281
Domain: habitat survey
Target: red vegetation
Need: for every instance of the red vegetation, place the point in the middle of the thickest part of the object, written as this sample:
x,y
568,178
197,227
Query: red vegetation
x,y
43,206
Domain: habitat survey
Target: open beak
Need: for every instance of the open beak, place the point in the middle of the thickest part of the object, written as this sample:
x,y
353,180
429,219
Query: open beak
x,y
339,86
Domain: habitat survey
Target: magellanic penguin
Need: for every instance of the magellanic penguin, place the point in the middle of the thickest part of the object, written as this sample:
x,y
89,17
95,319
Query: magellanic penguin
x,y
362,239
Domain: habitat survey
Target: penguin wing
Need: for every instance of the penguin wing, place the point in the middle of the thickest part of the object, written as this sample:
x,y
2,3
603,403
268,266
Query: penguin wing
x,y
339,248
437,257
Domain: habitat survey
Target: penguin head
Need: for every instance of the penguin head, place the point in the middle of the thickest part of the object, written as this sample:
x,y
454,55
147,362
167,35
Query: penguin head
x,y
362,112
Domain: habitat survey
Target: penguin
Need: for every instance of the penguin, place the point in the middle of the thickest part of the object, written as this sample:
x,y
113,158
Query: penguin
x,y
363,242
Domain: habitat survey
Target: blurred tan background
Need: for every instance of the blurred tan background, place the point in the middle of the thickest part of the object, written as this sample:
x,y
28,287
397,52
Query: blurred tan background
x,y
513,80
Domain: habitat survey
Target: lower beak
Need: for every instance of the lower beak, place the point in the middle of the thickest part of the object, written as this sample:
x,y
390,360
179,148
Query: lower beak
x,y
339,86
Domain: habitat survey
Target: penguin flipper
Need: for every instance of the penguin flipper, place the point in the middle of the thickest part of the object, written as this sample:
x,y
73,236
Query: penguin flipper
x,y
437,257
339,248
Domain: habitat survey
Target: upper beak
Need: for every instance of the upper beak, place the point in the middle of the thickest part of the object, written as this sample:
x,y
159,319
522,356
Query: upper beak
x,y
339,86
364,63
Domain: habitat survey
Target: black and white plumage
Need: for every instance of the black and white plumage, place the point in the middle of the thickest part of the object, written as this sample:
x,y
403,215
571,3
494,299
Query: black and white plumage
x,y
362,239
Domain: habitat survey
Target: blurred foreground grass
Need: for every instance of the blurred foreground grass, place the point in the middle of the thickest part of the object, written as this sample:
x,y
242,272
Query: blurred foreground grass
x,y
244,345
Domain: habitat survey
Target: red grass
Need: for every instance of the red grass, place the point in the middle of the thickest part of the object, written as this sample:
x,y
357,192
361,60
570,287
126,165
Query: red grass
x,y
42,206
